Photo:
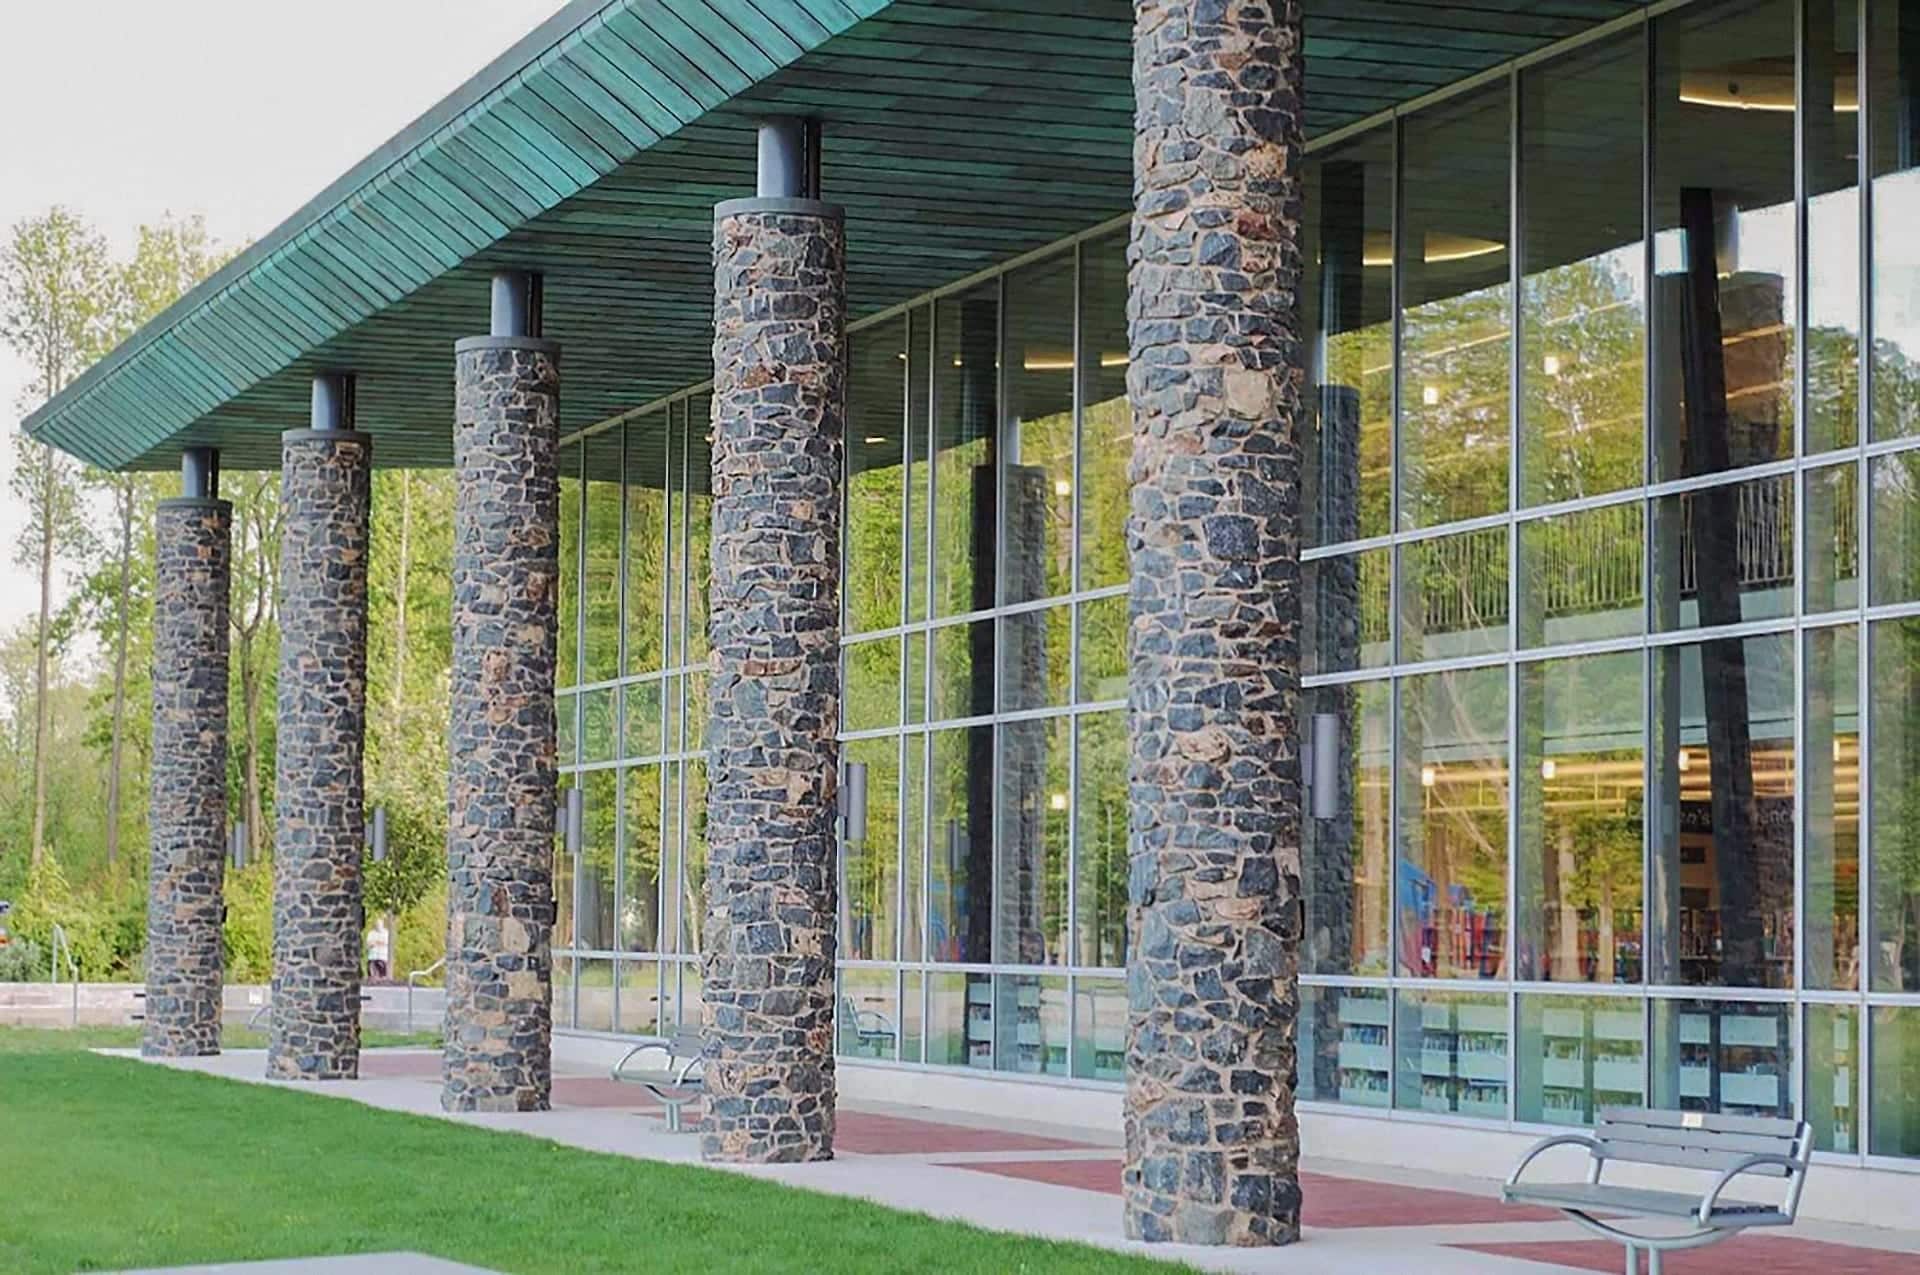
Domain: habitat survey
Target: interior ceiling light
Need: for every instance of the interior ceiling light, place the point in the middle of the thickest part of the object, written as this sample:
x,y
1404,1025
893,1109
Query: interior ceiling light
x,y
1763,84
1061,487
1430,396
1441,247
1551,365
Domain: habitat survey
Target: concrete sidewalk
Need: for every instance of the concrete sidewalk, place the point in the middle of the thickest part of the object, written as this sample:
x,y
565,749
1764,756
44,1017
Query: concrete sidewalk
x,y
1062,1182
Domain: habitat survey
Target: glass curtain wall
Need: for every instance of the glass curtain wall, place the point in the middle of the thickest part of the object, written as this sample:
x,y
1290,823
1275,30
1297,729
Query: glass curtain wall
x,y
1612,385
1610,723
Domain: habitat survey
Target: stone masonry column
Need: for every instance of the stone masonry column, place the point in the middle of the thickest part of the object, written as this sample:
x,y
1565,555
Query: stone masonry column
x,y
320,790
1214,879
187,811
506,565
779,356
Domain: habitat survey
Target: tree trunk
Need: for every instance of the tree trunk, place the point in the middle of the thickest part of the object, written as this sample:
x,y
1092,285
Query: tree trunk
x,y
42,639
116,750
250,709
400,598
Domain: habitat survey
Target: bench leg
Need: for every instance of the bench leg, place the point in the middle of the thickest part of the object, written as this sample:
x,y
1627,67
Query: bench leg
x,y
1653,1261
1633,1260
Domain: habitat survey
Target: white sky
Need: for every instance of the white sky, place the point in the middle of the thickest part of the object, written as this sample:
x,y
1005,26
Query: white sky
x,y
241,110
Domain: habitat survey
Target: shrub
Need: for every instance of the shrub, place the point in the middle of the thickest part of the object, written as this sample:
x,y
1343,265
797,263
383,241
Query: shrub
x,y
22,961
90,923
247,938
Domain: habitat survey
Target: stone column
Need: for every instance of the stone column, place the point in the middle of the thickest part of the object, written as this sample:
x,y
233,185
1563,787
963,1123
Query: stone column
x,y
506,565
1214,880
319,790
187,811
779,356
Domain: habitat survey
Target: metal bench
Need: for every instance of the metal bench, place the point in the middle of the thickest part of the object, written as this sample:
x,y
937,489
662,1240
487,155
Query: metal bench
x,y
1728,1147
671,1072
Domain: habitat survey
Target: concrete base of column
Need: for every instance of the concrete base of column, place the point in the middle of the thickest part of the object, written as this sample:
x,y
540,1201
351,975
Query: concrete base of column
x,y
187,811
320,794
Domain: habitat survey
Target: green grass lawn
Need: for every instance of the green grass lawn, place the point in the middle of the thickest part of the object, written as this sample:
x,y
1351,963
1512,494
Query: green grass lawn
x,y
107,1163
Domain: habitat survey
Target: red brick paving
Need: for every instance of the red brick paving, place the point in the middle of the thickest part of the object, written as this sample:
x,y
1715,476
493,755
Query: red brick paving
x,y
602,1091
384,1065
865,1133
1783,1256
1330,1201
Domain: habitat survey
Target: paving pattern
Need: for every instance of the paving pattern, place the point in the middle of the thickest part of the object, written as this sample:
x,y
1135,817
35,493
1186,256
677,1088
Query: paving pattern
x,y
1065,1183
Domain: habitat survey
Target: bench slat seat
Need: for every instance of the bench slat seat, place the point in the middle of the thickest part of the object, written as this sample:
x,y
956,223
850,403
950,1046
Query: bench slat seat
x,y
1595,1197
672,1071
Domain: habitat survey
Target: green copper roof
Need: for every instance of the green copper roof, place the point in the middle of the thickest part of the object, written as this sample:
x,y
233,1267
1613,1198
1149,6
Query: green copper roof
x,y
958,134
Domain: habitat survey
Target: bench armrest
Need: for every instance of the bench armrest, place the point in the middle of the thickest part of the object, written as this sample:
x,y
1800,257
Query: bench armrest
x,y
1547,1144
642,1048
1796,1170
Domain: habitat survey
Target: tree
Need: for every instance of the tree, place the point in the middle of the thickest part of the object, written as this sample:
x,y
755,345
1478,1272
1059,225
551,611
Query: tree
x,y
169,259
58,299
255,618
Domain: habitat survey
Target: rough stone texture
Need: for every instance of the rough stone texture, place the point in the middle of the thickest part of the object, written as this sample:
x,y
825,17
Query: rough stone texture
x,y
187,813
779,357
506,568
1214,882
319,790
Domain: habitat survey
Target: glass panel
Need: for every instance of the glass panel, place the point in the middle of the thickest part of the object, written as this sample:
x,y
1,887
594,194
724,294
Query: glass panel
x,y
1035,800
1895,570
568,673
1346,1057
600,798
1582,576
595,997
690,1001
1833,538
1100,857
1032,1020
1456,325
673,691
1347,312
1721,896
918,647
597,737
1036,658
1582,808
962,670
1453,596
640,928
563,991
677,551
1106,423
1893,96
1723,555
699,526
646,544
919,470
1583,288
1724,248
965,375
1831,808
566,714
1452,1049
913,823
1103,650
961,888
643,708
601,573
876,440
1037,439
1344,858
873,685
670,870
1734,1057
1348,616
1099,1028
639,1007
960,1020
1833,1077
912,1029
1832,87
869,1017
1895,789
1452,896
562,890
698,698
870,852
1578,1054
1895,1040
693,881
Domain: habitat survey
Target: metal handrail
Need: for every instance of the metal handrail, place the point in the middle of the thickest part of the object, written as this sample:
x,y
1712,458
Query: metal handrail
x,y
413,981
62,943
